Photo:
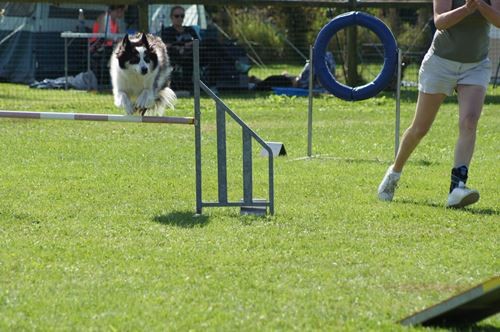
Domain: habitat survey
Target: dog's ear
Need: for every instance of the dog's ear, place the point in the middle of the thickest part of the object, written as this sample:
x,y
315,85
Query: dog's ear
x,y
122,50
144,40
126,42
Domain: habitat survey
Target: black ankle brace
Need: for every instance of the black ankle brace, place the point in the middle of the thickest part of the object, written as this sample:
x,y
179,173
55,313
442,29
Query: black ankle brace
x,y
458,174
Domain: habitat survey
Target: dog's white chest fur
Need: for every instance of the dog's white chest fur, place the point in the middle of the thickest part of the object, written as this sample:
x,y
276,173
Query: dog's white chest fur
x,y
133,83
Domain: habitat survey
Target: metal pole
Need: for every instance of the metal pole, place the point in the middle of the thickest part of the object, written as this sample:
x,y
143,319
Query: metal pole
x,y
88,54
221,153
88,60
197,124
398,106
65,63
247,167
271,183
143,16
310,104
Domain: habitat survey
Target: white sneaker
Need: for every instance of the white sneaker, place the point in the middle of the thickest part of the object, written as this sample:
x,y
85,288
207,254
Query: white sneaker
x,y
388,185
462,196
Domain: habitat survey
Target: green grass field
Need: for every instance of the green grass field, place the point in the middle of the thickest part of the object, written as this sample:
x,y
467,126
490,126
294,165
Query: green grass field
x,y
97,229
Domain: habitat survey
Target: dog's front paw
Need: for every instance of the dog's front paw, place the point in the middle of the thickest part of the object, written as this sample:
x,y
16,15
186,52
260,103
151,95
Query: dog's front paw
x,y
129,109
140,111
146,99
122,100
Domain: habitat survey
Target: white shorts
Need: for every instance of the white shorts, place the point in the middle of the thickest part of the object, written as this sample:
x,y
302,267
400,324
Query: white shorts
x,y
438,75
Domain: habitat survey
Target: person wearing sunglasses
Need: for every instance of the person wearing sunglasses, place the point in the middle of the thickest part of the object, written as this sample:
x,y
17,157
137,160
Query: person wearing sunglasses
x,y
179,41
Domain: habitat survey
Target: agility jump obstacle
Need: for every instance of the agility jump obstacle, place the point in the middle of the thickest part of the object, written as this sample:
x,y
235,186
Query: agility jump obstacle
x,y
392,60
248,204
95,117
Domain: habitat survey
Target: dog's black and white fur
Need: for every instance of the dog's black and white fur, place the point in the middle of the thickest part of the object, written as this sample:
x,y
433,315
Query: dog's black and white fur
x,y
140,72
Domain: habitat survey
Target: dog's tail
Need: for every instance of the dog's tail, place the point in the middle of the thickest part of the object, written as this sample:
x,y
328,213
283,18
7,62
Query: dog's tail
x,y
166,98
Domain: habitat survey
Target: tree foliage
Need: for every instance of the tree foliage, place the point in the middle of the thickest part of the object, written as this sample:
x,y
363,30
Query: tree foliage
x,y
278,32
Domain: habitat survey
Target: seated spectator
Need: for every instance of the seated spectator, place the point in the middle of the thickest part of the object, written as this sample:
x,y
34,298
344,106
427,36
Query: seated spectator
x,y
179,42
302,81
286,80
217,62
101,48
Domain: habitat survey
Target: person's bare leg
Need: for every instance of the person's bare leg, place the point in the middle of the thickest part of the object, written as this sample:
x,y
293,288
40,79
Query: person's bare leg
x,y
426,110
470,101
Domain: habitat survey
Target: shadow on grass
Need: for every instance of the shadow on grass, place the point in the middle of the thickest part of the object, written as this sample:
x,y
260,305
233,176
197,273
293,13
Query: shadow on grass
x,y
420,203
475,328
420,162
484,212
472,210
340,159
182,219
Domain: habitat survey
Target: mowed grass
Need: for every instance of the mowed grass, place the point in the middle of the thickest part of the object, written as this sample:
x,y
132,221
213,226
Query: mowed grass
x,y
97,229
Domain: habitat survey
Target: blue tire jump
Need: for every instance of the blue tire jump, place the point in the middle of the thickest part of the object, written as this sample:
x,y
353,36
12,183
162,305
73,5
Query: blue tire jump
x,y
382,80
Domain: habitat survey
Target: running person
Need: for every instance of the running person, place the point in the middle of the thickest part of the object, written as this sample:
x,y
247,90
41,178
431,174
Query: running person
x,y
457,60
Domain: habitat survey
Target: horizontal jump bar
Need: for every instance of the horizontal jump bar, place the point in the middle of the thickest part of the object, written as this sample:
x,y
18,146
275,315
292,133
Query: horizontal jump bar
x,y
94,117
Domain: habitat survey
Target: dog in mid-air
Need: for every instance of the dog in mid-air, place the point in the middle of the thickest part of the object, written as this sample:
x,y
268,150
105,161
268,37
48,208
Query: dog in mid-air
x,y
140,75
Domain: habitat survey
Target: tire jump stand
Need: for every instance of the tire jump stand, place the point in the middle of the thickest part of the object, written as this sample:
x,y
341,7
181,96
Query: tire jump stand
x,y
392,60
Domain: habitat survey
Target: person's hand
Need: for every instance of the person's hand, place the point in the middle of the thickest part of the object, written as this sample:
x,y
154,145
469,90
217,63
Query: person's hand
x,y
188,44
479,3
471,5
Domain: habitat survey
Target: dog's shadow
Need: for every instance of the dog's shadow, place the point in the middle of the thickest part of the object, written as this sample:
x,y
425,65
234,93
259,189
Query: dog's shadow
x,y
183,219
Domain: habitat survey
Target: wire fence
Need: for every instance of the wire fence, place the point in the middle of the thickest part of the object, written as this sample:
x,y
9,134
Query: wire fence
x,y
238,50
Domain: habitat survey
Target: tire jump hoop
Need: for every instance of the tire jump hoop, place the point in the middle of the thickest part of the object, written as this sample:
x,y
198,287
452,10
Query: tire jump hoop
x,y
392,62
368,90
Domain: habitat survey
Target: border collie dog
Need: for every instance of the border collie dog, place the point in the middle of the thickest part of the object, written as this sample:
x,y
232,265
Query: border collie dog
x,y
140,73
